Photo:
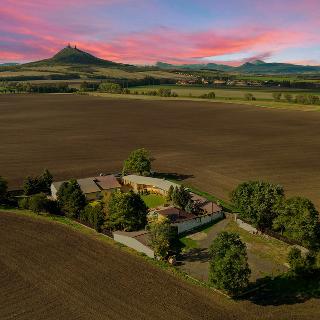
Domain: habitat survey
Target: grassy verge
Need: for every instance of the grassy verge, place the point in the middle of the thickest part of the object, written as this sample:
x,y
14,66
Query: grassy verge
x,y
187,243
153,200
262,103
261,245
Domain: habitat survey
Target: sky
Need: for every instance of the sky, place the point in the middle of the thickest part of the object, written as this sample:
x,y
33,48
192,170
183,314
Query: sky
x,y
174,31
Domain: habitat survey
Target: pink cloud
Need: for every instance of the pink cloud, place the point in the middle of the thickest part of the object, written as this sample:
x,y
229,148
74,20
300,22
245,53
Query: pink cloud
x,y
27,34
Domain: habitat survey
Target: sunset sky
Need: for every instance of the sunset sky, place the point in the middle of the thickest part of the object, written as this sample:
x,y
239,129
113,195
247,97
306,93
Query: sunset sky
x,y
175,31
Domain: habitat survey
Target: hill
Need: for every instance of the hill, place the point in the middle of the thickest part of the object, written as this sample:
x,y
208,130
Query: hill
x,y
257,67
75,56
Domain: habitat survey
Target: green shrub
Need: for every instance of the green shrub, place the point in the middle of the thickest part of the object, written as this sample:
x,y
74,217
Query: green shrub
x,y
210,95
277,96
288,97
23,203
249,97
109,87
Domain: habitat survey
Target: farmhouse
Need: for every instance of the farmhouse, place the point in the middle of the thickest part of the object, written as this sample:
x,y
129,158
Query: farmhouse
x,y
154,185
93,188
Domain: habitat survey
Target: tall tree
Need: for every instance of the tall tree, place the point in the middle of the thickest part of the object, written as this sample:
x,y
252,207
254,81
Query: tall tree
x,y
298,220
46,180
181,197
71,199
257,201
160,236
94,215
126,211
139,161
229,269
3,189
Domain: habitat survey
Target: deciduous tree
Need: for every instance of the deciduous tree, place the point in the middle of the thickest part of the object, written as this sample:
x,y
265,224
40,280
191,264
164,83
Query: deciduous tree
x,y
256,202
298,220
126,211
71,198
139,161
229,269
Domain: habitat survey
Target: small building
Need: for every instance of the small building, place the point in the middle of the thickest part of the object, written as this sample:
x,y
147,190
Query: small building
x,y
184,221
137,240
93,187
207,206
153,185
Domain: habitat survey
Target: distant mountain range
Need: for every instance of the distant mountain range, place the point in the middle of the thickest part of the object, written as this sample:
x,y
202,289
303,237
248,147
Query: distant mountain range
x,y
257,67
9,64
72,56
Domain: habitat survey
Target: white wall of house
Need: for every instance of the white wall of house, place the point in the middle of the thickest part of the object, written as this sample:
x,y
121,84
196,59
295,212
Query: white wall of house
x,y
196,222
53,192
134,244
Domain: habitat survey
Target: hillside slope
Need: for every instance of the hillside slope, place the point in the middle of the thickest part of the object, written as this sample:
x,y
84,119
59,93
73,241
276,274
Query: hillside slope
x,y
75,56
48,271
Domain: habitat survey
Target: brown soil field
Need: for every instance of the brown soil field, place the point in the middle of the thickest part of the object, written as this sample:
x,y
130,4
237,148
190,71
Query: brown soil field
x,y
49,271
217,145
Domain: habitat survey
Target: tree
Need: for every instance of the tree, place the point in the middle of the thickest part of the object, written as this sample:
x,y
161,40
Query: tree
x,y
31,185
126,211
94,215
276,96
160,237
249,97
300,264
256,202
170,193
210,95
46,181
229,269
38,203
298,220
109,87
139,161
3,189
181,197
288,97
38,184
71,199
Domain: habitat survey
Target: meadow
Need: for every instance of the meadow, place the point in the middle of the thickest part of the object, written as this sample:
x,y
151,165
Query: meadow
x,y
225,94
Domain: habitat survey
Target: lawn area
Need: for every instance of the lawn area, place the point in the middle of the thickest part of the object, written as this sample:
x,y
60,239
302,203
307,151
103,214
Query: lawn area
x,y
153,200
187,243
262,246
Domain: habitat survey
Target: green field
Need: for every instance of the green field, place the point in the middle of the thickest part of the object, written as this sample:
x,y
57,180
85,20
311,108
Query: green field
x,y
153,200
226,94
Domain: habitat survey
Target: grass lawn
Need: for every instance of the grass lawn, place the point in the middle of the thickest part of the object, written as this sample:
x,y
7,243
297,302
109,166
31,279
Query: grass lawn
x,y
261,245
153,200
187,243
